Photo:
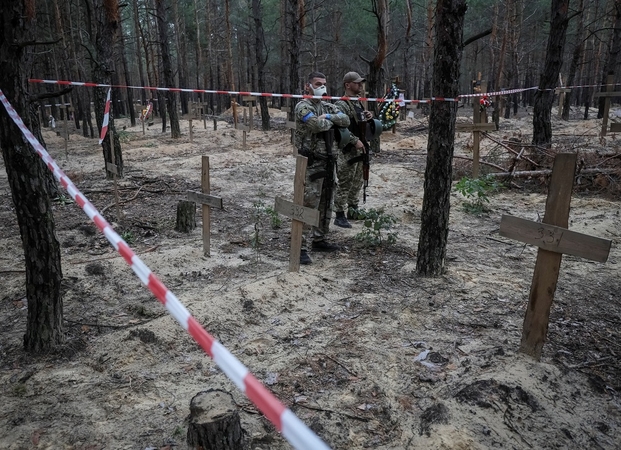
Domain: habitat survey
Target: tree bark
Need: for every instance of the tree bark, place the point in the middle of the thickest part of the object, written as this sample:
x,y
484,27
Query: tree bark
x,y
25,171
542,111
612,57
575,61
261,59
214,422
167,72
438,172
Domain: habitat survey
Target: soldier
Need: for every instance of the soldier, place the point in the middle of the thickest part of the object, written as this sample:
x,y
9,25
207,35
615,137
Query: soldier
x,y
314,139
350,159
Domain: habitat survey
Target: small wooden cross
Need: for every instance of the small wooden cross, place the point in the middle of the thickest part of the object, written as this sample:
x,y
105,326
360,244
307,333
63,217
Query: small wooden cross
x,y
614,127
297,212
478,125
208,202
553,239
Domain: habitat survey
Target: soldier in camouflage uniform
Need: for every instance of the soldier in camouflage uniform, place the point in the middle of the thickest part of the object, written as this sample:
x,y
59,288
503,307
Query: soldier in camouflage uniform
x,y
350,158
312,117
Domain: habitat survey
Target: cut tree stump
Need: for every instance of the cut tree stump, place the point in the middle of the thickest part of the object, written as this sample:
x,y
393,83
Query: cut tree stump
x,y
214,422
186,216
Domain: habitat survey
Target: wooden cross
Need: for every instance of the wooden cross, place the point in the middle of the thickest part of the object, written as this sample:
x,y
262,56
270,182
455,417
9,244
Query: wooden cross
x,y
477,126
66,109
297,212
614,127
291,124
208,202
553,239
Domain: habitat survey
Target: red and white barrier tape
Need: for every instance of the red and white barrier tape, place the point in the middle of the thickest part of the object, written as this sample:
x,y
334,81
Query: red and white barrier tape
x,y
248,93
269,94
106,119
292,428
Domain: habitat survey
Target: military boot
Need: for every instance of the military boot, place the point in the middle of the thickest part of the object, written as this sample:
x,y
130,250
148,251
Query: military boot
x,y
305,259
341,220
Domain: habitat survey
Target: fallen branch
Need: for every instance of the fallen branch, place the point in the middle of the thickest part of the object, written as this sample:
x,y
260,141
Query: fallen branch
x,y
535,173
481,162
124,201
487,135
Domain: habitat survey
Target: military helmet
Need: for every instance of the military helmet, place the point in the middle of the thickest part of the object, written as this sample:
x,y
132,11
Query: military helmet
x,y
373,129
342,136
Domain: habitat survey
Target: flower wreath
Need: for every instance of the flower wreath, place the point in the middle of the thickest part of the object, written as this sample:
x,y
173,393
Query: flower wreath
x,y
485,102
390,110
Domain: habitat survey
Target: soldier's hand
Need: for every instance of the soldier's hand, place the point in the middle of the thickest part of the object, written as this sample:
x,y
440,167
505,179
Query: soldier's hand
x,y
359,145
368,115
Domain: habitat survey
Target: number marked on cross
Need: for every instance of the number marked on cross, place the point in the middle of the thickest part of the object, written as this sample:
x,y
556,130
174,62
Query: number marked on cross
x,y
553,239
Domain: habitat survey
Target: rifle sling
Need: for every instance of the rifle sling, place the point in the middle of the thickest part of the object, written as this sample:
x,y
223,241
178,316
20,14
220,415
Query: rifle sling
x,y
355,159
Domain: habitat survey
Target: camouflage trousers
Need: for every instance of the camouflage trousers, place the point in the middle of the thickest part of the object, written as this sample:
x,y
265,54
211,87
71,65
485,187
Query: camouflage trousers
x,y
316,196
350,181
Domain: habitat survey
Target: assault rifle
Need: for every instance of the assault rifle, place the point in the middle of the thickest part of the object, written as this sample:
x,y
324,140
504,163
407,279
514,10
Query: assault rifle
x,y
328,138
366,163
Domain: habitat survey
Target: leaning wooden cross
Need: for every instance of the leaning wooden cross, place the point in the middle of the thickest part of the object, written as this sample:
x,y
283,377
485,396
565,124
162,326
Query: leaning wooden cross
x,y
553,239
614,127
477,126
297,212
208,202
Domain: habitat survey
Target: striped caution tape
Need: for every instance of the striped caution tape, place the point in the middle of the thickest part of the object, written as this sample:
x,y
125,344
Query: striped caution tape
x,y
106,119
268,94
292,428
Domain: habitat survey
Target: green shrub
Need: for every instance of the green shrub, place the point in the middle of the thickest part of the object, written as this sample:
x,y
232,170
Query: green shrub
x,y
376,228
477,191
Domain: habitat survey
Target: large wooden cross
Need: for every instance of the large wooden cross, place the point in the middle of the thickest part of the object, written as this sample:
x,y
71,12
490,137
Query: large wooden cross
x,y
208,202
477,126
614,127
553,239
297,212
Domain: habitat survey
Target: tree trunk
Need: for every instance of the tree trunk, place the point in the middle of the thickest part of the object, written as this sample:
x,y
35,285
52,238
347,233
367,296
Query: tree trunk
x,y
438,172
575,61
25,172
375,77
259,50
542,111
106,21
182,65
139,36
612,56
169,79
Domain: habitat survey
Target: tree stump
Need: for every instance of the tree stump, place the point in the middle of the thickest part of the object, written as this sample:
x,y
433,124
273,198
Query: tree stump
x,y
186,216
214,422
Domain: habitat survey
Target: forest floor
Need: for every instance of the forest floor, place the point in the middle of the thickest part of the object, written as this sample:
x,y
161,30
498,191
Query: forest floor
x,y
363,350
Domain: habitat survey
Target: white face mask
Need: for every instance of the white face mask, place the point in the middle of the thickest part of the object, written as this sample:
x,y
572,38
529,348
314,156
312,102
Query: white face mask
x,y
320,91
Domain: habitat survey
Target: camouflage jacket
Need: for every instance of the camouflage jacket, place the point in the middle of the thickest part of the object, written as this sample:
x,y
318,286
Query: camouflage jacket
x,y
353,109
308,125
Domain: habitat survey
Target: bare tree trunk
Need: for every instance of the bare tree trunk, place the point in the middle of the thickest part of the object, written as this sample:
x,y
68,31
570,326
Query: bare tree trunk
x,y
375,77
612,57
261,59
181,51
542,128
103,33
575,61
139,36
438,172
169,79
128,77
25,172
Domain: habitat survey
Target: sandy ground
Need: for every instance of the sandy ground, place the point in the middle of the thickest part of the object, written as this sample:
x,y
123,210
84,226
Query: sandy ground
x,y
363,350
